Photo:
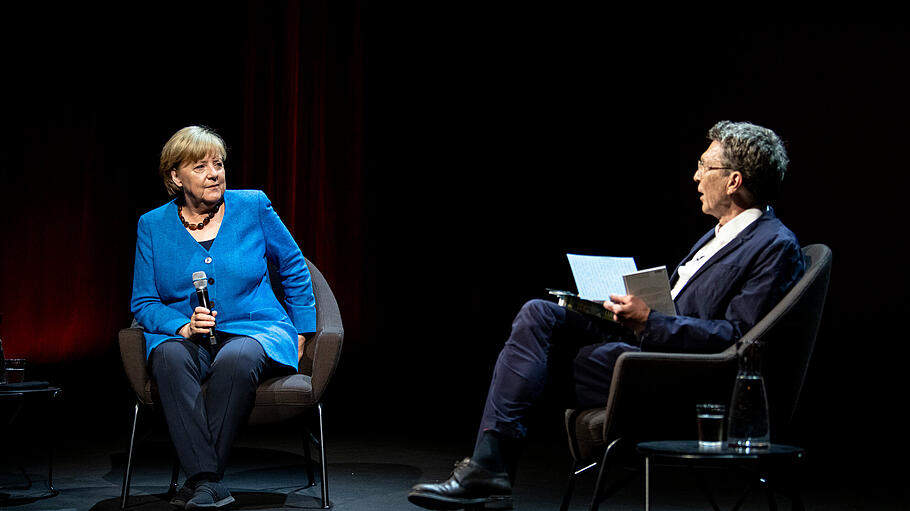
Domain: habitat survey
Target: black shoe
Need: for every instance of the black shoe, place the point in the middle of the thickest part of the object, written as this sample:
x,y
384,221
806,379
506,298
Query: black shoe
x,y
209,495
180,498
469,485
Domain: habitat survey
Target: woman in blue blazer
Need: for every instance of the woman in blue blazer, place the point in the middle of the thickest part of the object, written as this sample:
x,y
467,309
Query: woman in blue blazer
x,y
247,336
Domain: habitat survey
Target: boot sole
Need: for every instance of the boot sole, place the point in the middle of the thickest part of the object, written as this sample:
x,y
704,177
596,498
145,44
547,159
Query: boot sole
x,y
438,502
221,503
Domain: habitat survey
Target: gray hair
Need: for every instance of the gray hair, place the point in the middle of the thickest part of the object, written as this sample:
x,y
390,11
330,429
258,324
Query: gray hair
x,y
757,152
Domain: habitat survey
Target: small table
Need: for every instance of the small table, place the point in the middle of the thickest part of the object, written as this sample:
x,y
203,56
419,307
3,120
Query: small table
x,y
688,452
14,398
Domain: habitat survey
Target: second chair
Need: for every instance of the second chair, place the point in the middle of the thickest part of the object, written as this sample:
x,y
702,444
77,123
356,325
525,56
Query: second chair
x,y
653,395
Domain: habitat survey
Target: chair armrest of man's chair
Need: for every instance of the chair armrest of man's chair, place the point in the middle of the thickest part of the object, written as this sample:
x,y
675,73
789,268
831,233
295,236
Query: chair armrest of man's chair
x,y
652,396
132,354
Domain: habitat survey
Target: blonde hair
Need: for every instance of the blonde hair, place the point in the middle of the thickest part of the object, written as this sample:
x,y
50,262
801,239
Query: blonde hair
x,y
189,144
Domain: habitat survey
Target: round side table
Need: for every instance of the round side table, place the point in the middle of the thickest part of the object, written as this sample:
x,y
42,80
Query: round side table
x,y
688,453
23,398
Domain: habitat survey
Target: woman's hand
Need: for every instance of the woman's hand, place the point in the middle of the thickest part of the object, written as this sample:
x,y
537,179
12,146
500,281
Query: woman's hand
x,y
301,341
631,311
201,322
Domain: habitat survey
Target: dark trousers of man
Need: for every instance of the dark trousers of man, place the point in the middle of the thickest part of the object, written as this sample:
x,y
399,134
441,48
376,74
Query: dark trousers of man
x,y
563,352
203,425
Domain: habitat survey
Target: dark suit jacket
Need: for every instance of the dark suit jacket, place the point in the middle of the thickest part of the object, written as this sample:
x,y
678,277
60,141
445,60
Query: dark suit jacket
x,y
731,292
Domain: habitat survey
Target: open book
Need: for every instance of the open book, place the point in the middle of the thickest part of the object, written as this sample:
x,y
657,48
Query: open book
x,y
597,277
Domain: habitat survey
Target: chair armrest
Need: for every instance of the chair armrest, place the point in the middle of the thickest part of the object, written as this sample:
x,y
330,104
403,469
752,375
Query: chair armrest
x,y
132,354
653,395
321,354
325,353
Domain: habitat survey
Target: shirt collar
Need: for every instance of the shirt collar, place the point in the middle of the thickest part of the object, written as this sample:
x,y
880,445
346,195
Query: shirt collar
x,y
731,229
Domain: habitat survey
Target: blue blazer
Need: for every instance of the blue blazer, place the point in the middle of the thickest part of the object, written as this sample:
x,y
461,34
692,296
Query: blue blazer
x,y
731,292
251,235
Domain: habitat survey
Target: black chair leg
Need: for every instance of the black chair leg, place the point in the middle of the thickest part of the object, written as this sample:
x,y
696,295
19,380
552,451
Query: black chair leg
x,y
311,476
567,496
325,474
128,472
570,487
600,494
50,470
50,455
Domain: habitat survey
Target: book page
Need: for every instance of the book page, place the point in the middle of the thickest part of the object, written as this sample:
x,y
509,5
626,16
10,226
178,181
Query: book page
x,y
652,286
597,277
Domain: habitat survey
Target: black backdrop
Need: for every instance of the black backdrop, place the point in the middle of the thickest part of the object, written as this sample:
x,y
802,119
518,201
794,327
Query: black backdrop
x,y
438,162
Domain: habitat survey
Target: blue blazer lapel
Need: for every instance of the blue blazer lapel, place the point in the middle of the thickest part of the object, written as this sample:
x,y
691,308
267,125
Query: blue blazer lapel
x,y
720,255
700,243
734,244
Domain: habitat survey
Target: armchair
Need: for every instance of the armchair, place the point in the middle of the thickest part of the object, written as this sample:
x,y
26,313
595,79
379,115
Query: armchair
x,y
277,399
653,395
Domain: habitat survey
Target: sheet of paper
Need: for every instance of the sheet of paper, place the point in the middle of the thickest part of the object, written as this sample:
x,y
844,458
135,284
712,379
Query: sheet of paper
x,y
652,286
597,277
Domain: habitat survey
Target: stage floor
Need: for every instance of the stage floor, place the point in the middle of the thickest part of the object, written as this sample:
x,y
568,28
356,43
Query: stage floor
x,y
372,471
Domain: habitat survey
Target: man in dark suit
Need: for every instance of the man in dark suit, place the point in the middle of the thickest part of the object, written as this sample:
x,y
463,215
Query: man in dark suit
x,y
731,278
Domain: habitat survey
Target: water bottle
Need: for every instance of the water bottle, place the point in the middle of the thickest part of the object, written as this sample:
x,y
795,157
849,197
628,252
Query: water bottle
x,y
748,427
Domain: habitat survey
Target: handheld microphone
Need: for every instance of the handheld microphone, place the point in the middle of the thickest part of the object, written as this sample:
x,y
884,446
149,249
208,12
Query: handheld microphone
x,y
200,282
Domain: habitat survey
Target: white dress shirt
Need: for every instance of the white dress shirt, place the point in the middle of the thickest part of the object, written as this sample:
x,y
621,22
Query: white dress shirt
x,y
723,234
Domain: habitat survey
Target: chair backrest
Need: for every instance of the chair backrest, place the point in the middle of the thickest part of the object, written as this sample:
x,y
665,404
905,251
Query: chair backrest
x,y
788,333
329,314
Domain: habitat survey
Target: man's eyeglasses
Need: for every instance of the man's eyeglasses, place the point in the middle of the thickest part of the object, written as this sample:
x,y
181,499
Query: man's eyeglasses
x,y
702,168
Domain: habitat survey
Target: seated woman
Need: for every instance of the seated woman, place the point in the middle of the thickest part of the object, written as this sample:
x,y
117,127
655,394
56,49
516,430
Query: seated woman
x,y
232,236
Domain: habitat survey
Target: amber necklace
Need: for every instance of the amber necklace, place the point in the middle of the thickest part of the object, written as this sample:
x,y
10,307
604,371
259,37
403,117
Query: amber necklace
x,y
203,223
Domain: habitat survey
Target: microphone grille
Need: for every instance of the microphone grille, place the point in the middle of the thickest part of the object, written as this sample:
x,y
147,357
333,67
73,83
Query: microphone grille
x,y
200,280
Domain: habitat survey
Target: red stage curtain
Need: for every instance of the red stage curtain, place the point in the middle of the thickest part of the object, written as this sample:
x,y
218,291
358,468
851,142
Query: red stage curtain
x,y
90,114
301,137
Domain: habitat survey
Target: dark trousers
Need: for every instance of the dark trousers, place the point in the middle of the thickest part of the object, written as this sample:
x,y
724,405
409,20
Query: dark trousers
x,y
552,349
203,425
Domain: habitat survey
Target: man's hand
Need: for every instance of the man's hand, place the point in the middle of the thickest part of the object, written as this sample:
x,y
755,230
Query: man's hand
x,y
201,322
629,310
